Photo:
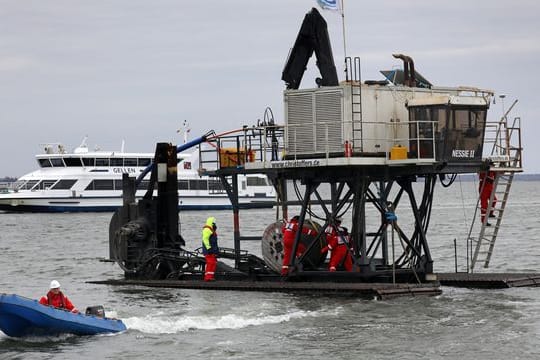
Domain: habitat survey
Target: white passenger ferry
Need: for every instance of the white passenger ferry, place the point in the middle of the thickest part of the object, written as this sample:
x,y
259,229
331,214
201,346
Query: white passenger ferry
x,y
84,180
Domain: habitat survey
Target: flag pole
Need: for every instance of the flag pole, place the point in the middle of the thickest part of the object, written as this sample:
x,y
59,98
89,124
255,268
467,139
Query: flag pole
x,y
344,42
343,26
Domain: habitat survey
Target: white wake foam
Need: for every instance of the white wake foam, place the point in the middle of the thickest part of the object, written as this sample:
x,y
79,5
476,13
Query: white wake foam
x,y
169,325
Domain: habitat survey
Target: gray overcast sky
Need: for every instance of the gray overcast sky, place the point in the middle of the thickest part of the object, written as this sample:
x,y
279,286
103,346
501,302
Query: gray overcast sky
x,y
133,70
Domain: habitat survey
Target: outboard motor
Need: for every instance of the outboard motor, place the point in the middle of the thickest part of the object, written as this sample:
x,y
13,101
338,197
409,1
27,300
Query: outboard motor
x,y
97,310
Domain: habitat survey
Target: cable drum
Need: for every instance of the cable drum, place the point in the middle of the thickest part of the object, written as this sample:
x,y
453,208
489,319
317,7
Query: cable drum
x,y
272,246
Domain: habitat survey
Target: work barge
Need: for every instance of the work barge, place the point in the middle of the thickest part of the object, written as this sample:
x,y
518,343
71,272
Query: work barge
x,y
366,153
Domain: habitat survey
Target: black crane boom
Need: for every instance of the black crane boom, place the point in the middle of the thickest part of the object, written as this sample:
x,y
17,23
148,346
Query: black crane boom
x,y
313,36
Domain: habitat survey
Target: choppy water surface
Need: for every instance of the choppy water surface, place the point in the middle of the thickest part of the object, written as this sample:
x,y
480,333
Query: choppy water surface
x,y
177,323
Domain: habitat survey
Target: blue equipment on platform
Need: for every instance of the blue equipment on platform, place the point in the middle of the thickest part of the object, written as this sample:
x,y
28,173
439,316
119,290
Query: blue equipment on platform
x,y
20,316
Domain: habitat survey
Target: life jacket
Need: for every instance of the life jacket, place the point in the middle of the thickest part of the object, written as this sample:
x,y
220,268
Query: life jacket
x,y
337,235
487,176
209,240
289,230
50,296
291,227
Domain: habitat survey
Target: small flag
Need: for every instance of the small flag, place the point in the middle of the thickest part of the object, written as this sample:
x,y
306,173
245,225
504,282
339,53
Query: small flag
x,y
329,4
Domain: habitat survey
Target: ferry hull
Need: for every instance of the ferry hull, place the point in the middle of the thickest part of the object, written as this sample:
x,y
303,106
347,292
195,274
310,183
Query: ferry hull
x,y
55,205
85,181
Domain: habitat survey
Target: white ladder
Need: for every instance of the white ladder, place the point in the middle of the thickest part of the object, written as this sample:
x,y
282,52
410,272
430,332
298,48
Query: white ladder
x,y
506,161
489,230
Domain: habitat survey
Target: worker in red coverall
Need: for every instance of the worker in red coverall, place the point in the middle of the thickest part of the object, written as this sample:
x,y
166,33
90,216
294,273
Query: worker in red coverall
x,y
485,187
210,248
289,230
57,299
338,240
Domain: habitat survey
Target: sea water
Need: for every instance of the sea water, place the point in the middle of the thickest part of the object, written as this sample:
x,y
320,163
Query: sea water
x,y
182,324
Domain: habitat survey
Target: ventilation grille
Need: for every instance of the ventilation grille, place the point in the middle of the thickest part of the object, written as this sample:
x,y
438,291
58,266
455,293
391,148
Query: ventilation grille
x,y
314,122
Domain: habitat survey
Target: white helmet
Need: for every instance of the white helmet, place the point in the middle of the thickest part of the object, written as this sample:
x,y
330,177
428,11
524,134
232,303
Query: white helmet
x,y
54,285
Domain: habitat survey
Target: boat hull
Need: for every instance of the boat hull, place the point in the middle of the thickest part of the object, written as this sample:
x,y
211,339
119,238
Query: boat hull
x,y
20,316
109,204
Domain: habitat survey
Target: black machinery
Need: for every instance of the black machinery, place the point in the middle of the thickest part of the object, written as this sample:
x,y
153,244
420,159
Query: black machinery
x,y
144,236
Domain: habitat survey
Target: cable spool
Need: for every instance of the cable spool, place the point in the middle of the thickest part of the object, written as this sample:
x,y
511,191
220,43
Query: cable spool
x,y
272,246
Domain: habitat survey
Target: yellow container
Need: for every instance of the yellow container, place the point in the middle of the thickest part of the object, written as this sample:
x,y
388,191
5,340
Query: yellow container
x,y
231,157
398,152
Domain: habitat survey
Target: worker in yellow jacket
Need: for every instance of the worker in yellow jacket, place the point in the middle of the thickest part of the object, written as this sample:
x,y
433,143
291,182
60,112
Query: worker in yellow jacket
x,y
210,248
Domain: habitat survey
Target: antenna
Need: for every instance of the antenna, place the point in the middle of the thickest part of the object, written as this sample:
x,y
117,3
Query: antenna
x,y
83,143
185,129
502,96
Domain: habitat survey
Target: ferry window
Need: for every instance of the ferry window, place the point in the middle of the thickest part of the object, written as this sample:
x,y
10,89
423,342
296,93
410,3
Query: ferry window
x,y
117,184
183,185
117,162
28,185
44,163
130,162
143,185
44,184
100,185
89,161
72,161
144,162
256,181
215,185
198,185
102,162
57,162
64,184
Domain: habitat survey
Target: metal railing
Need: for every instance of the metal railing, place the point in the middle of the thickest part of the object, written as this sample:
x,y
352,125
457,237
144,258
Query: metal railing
x,y
302,140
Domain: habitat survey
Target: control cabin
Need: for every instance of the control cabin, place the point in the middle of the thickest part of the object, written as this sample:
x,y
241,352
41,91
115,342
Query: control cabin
x,y
439,129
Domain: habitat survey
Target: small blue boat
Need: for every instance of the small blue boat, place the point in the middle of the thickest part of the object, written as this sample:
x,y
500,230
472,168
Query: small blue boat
x,y
20,316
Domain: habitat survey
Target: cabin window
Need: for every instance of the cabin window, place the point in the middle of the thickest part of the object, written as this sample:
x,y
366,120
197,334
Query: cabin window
x,y
424,123
102,162
256,181
198,185
215,185
117,184
57,162
468,121
144,161
89,161
100,185
457,132
28,185
130,162
64,184
44,185
183,185
143,185
44,163
72,161
466,134
117,162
